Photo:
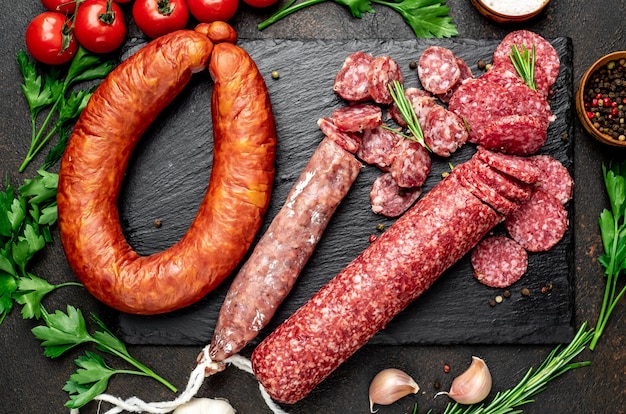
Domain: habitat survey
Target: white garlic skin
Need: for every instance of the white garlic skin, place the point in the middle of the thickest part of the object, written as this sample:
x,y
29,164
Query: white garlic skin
x,y
389,385
472,386
205,406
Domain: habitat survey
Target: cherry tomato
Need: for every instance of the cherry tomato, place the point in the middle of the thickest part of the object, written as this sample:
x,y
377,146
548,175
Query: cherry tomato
x,y
208,11
100,26
63,6
259,4
49,39
158,17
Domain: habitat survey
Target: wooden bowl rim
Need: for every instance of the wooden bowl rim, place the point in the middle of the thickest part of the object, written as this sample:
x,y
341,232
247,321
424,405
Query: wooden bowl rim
x,y
580,100
506,18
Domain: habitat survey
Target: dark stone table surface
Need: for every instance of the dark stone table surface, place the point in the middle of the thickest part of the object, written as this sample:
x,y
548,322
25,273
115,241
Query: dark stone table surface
x,y
32,383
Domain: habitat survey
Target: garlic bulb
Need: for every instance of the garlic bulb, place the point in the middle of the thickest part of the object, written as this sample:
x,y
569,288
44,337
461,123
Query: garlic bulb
x,y
205,406
389,385
473,385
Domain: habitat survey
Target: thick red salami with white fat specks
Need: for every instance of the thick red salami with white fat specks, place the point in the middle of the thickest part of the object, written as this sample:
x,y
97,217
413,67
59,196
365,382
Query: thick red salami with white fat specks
x,y
438,69
377,147
270,272
383,71
351,81
466,73
539,224
503,184
389,199
522,169
444,131
547,63
555,179
358,117
515,134
349,141
364,297
479,102
499,261
486,193
411,164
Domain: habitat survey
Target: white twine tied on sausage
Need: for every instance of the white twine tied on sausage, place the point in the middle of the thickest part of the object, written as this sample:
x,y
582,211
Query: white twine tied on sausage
x,y
196,379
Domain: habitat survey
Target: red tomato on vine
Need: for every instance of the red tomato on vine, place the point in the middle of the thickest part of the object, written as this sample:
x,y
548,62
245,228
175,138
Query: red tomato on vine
x,y
158,17
49,38
208,11
62,6
99,26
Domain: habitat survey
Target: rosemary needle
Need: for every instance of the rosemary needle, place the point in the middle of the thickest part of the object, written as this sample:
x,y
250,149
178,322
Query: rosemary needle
x,y
408,113
524,63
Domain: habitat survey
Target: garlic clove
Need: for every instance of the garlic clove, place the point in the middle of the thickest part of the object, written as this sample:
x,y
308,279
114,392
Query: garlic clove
x,y
205,406
389,385
472,386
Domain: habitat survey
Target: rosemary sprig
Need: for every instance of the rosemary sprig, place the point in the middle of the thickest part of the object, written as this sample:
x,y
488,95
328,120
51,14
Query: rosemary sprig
x,y
408,113
556,364
524,63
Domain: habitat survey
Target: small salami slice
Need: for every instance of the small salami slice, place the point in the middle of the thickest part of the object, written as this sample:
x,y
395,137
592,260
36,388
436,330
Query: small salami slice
x,y
411,164
383,71
444,131
555,179
515,134
377,147
483,191
356,118
421,101
466,73
530,103
522,169
539,224
505,185
389,199
499,261
547,62
347,140
479,102
438,69
351,81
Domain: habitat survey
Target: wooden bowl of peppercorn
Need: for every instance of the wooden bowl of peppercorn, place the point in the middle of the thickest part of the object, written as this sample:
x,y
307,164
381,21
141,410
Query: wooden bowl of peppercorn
x,y
601,99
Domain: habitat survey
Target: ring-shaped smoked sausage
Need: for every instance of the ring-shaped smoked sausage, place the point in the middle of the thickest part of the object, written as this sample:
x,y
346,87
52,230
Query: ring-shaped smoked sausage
x,y
98,152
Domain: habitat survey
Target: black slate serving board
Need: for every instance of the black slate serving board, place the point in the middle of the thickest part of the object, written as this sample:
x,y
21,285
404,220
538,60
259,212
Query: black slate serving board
x,y
167,179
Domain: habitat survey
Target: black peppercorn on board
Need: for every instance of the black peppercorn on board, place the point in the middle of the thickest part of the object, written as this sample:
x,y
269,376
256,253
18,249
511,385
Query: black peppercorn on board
x,y
175,159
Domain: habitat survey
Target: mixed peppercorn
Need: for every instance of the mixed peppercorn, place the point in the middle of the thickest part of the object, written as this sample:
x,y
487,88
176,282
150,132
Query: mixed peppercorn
x,y
605,99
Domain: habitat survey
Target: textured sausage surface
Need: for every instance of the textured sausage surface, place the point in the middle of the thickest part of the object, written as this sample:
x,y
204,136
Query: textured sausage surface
x,y
499,261
363,298
270,272
93,166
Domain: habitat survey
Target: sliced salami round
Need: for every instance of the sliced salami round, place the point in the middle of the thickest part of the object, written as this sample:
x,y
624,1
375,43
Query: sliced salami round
x,y
411,164
466,73
349,141
378,147
520,168
438,69
539,224
351,81
421,101
515,134
479,102
504,76
444,131
505,185
358,117
555,179
389,199
499,261
383,70
547,62
483,191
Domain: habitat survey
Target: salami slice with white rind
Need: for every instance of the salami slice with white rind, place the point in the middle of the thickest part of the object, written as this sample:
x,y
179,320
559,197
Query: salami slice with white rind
x,y
383,71
390,200
499,261
438,69
555,179
411,164
377,147
444,131
539,224
351,83
421,101
349,141
356,118
466,73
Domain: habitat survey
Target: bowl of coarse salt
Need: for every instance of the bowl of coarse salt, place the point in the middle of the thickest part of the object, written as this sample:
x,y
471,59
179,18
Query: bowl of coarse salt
x,y
510,11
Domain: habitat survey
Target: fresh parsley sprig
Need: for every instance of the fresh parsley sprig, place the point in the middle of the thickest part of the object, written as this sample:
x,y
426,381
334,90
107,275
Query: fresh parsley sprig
x,y
524,63
408,113
48,92
427,18
613,231
65,331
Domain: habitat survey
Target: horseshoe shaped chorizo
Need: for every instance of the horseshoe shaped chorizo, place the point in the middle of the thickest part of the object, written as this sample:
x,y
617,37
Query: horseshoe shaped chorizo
x,y
238,194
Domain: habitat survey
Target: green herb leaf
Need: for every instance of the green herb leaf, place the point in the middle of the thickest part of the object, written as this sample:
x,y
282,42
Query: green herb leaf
x,y
89,381
37,91
41,189
62,332
524,64
31,290
357,7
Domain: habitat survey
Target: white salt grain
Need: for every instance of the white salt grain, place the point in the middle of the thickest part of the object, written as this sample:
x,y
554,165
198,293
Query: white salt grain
x,y
514,7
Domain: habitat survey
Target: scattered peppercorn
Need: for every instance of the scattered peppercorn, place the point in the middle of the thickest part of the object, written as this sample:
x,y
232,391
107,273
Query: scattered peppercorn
x,y
380,227
525,292
157,223
605,99
275,74
481,64
546,288
492,303
436,385
413,65
446,368
507,293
